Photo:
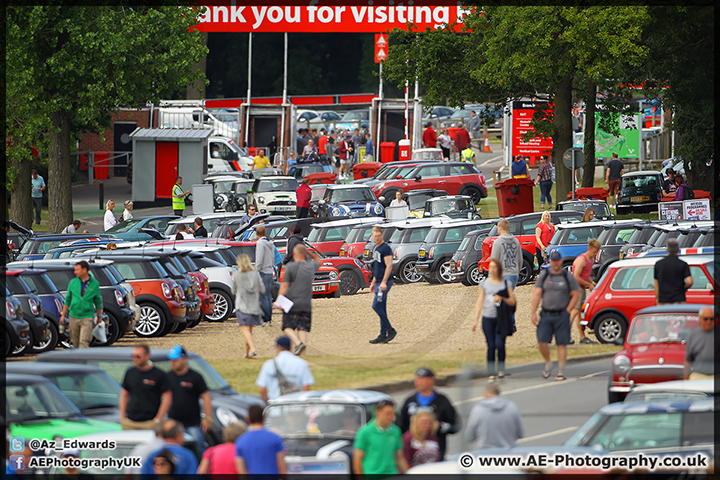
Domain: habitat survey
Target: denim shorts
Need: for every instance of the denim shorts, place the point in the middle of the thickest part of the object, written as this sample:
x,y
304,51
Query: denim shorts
x,y
557,324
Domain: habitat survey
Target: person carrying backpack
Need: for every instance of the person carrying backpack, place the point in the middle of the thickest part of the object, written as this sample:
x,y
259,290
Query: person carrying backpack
x,y
559,291
683,192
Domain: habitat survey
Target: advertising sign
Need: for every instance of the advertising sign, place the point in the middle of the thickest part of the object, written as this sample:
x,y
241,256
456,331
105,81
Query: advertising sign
x,y
625,145
698,209
381,47
670,210
522,115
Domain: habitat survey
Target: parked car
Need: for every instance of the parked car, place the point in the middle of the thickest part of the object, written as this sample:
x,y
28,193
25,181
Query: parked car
x,y
302,170
229,192
438,112
329,237
354,119
321,424
523,227
128,230
673,390
41,329
37,246
36,408
639,191
389,171
210,221
16,238
228,405
349,200
17,333
435,253
388,227
456,178
405,242
643,231
612,238
453,206
650,428
706,238
654,349
599,207
684,232
89,388
66,249
628,286
464,264
119,303
463,115
279,231
571,240
417,200
274,194
326,281
234,227
355,241
52,303
427,155
683,251
353,274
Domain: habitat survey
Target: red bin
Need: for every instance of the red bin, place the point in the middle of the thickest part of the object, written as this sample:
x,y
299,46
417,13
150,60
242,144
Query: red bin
x,y
101,165
387,152
364,170
515,196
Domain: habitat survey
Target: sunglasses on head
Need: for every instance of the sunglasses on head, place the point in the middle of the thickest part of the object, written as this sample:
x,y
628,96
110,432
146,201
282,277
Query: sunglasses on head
x,y
384,403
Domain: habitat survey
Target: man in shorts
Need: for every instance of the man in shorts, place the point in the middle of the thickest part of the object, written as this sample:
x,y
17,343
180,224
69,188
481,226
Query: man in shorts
x,y
613,175
297,286
558,290
582,268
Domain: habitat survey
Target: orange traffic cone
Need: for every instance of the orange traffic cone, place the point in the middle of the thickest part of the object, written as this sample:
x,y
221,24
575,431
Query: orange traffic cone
x,y
486,148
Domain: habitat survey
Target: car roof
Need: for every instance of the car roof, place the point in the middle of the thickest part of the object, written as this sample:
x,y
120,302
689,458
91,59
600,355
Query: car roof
x,y
206,216
42,369
275,177
706,385
684,224
331,396
642,173
346,186
583,200
104,353
24,379
672,308
448,197
602,223
553,213
645,261
634,408
345,222
57,262
429,221
423,191
464,222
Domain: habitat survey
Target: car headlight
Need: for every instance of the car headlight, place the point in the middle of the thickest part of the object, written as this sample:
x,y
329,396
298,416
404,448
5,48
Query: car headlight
x,y
336,212
225,416
261,199
333,275
621,363
378,209
359,264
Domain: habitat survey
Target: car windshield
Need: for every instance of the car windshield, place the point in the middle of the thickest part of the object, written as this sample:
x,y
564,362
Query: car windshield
x,y
117,368
88,390
356,115
125,226
277,185
314,420
424,155
661,328
223,187
37,401
363,194
317,194
638,431
640,181
417,201
359,234
452,205
600,209
615,236
575,236
661,396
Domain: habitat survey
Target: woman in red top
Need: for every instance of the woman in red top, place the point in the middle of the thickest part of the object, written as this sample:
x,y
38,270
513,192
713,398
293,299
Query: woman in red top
x,y
544,231
220,459
303,195
420,445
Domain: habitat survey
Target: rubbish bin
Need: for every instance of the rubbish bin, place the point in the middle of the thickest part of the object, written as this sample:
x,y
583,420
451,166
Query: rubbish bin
x,y
387,152
321,177
597,193
101,165
515,196
404,147
364,170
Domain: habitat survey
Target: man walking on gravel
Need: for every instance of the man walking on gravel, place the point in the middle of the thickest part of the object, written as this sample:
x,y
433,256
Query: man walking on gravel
x,y
558,290
427,397
83,304
264,263
381,283
507,249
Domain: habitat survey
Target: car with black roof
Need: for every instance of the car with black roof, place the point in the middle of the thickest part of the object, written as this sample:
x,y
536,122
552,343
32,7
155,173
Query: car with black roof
x,y
599,207
52,303
41,329
453,206
228,405
348,200
17,331
464,262
416,199
639,191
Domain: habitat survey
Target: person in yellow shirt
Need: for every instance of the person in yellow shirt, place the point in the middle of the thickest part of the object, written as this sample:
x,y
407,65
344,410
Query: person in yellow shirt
x,y
261,161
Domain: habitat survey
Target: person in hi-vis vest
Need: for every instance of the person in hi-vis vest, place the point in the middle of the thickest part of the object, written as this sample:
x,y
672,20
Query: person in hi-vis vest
x,y
467,155
178,197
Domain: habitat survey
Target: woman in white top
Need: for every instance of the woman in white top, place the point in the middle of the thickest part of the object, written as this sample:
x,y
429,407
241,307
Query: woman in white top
x,y
247,286
445,143
127,215
398,202
109,219
487,303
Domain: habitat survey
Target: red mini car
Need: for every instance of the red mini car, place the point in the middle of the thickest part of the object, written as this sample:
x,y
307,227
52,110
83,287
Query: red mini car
x,y
628,285
654,349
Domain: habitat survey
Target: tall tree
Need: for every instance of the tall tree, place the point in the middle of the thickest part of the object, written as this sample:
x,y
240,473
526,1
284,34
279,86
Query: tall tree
x,y
514,52
69,66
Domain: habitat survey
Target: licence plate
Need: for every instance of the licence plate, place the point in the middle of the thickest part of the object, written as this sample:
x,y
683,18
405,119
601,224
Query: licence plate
x,y
639,199
284,207
318,288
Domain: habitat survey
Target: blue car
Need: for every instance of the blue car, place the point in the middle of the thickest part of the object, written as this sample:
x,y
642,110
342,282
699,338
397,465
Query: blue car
x,y
572,239
128,230
349,201
65,249
52,302
37,246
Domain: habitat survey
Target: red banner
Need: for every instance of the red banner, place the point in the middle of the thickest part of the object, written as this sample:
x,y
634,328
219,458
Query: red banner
x,y
381,47
522,115
326,19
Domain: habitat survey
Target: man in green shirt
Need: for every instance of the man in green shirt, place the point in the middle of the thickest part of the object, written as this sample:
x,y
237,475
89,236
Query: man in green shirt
x,y
378,444
82,301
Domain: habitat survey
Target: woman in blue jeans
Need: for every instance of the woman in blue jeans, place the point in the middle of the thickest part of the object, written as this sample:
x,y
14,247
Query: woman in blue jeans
x,y
487,303
544,179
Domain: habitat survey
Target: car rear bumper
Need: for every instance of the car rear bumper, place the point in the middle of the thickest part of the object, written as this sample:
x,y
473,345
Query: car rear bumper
x,y
127,319
192,310
208,304
177,311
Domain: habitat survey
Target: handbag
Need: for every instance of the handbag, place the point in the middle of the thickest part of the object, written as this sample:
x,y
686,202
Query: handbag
x,y
286,386
99,330
505,315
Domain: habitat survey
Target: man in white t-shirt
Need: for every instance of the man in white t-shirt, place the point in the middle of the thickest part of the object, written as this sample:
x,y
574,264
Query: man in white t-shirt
x,y
294,369
398,202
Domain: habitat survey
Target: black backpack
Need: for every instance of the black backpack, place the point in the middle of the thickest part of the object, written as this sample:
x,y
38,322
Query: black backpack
x,y
688,194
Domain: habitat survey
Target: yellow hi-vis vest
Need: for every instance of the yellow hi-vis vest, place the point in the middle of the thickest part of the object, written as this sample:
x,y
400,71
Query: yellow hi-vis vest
x,y
468,155
178,202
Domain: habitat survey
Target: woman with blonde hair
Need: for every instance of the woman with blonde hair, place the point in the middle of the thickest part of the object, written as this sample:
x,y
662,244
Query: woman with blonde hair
x,y
420,445
544,231
247,286
589,215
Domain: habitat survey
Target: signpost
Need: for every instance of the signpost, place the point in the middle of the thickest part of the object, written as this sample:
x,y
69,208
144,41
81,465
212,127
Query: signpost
x,y
572,158
698,209
522,115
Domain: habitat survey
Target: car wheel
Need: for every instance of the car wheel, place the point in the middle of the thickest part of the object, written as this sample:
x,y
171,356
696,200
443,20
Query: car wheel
x,y
473,276
51,343
473,192
194,323
223,306
408,272
178,327
349,282
611,328
526,272
444,271
152,321
18,350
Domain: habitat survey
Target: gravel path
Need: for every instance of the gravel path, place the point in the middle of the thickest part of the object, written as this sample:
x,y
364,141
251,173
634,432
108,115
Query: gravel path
x,y
427,317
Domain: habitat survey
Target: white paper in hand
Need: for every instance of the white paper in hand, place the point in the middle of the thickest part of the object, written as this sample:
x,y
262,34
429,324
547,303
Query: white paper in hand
x,y
283,302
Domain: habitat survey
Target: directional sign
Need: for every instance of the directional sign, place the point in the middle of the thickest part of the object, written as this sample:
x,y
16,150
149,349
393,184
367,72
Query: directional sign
x,y
579,157
381,47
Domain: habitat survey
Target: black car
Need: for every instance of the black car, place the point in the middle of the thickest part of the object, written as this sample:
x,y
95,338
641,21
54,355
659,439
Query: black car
x,y
42,331
416,199
228,405
464,263
639,238
234,228
17,331
612,238
115,296
639,192
91,389
599,207
52,302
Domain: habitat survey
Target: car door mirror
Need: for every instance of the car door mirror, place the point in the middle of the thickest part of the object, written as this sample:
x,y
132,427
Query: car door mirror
x,y
418,178
427,214
398,177
709,286
381,198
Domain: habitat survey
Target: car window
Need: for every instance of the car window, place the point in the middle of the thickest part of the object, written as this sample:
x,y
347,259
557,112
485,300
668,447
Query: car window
x,y
640,181
456,234
44,247
697,428
479,242
578,236
700,280
464,244
336,234
39,283
463,170
61,278
158,224
131,271
565,218
269,184
433,171
638,432
417,235
88,390
634,278
528,228
621,236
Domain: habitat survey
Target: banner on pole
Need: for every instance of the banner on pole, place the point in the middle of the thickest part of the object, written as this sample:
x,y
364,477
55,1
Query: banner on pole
x,y
381,47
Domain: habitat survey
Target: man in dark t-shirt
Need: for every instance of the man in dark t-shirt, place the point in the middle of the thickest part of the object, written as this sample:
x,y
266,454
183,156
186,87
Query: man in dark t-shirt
x,y
668,186
381,283
613,176
672,276
145,397
188,388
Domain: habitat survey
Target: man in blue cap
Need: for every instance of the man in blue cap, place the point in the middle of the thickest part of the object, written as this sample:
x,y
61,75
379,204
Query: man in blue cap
x,y
188,387
559,291
283,374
